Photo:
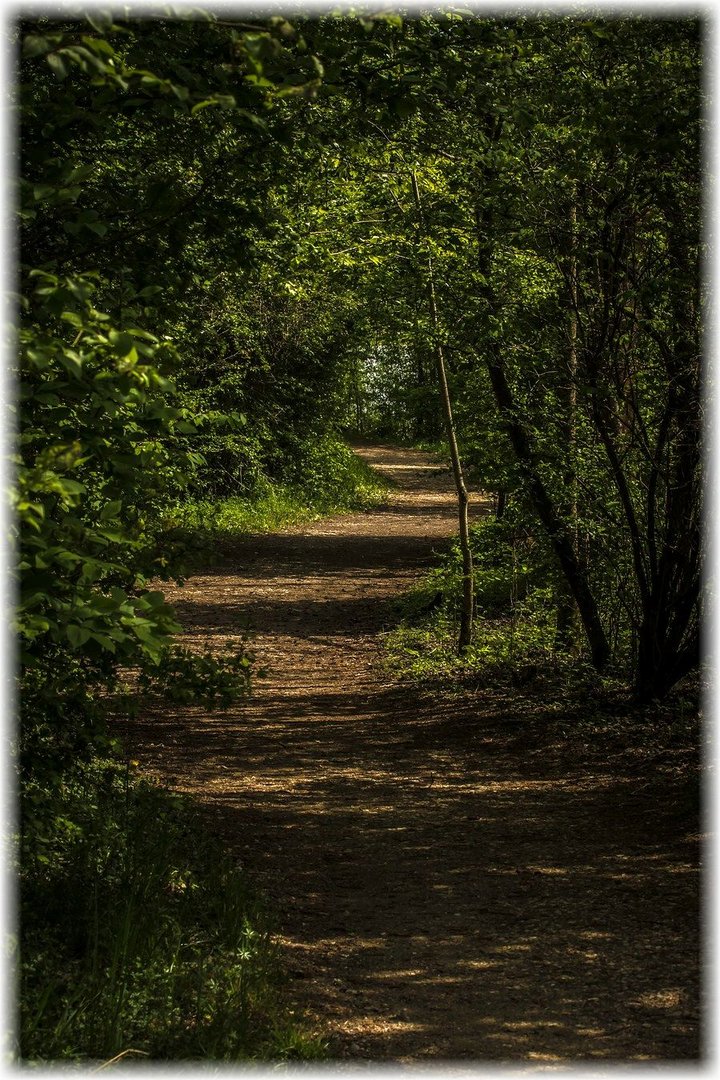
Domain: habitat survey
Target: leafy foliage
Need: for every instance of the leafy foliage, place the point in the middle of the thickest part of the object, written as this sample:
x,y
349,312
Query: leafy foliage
x,y
120,212
323,477
568,292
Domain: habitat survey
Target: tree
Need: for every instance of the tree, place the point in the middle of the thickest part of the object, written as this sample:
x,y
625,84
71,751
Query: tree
x,y
542,135
121,146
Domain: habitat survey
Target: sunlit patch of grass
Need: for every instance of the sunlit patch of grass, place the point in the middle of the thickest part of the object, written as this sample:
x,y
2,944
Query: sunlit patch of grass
x,y
423,646
515,622
272,508
340,484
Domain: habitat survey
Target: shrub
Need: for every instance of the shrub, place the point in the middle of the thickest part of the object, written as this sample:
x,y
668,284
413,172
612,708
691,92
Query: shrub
x,y
323,478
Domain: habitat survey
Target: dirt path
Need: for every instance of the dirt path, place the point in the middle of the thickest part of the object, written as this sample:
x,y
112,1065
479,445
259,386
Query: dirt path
x,y
442,894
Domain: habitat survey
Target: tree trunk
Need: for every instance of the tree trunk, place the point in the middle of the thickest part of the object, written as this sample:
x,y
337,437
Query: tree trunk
x,y
468,596
556,528
558,532
565,605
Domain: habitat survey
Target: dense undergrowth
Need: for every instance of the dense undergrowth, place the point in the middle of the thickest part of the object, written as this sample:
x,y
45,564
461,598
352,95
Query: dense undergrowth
x,y
515,612
327,479
517,636
140,934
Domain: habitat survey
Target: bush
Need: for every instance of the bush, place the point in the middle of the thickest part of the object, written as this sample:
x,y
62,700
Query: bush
x,y
331,477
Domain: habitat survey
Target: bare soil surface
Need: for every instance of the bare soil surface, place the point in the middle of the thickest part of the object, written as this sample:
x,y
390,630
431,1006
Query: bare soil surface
x,y
445,892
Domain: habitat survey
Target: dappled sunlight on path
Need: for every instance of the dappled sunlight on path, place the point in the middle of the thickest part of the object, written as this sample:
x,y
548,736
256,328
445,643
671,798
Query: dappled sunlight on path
x,y
440,896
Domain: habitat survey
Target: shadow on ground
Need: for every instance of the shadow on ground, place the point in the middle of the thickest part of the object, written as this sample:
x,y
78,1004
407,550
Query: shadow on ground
x,y
441,894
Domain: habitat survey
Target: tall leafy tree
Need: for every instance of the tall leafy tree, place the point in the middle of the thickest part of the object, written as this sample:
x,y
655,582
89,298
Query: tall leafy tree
x,y
554,172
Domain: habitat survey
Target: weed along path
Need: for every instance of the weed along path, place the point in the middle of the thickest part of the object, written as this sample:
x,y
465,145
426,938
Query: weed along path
x,y
444,891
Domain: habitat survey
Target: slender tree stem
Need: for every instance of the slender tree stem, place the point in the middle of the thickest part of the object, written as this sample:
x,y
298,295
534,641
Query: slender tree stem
x,y
466,616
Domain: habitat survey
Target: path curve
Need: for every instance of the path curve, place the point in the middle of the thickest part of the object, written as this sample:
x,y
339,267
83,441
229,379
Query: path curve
x,y
441,896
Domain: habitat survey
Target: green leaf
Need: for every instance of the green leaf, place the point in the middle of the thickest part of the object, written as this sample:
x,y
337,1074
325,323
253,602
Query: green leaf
x,y
34,45
104,641
70,487
154,599
121,342
72,364
58,65
43,191
142,334
115,537
111,510
77,635
199,106
99,45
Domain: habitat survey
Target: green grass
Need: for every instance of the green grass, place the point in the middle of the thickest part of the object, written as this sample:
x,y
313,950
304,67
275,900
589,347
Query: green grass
x,y
273,507
511,644
515,614
438,446
140,933
332,481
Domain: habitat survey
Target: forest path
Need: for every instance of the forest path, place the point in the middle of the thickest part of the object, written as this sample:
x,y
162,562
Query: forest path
x,y
442,894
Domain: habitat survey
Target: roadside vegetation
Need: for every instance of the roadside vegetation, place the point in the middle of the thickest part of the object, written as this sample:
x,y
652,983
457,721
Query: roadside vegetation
x,y
515,612
331,480
141,936
520,669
